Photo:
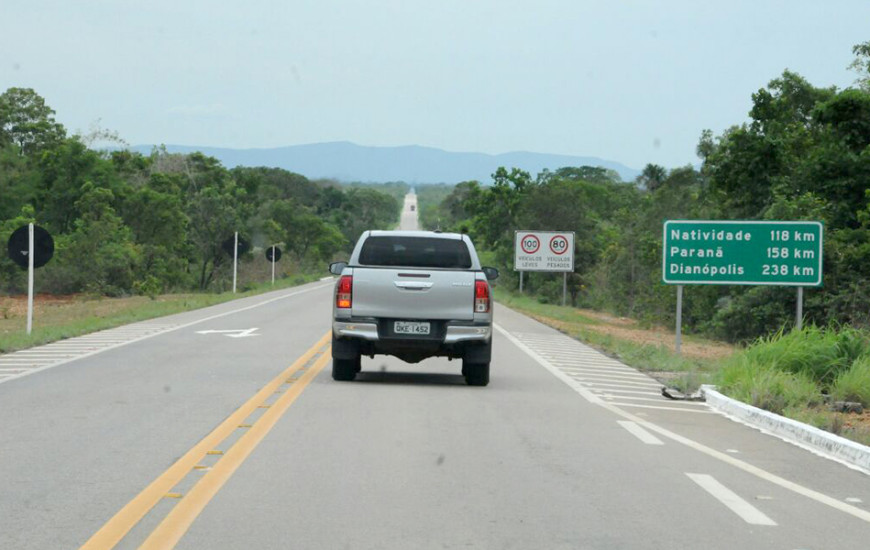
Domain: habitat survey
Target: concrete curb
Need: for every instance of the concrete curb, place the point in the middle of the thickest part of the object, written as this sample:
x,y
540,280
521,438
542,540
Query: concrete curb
x,y
822,442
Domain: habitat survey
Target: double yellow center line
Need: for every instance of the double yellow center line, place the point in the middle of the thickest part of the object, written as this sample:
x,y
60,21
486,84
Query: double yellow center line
x,y
289,384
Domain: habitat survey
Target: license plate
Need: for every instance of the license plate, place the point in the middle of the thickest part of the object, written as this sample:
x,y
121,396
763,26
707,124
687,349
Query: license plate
x,y
411,327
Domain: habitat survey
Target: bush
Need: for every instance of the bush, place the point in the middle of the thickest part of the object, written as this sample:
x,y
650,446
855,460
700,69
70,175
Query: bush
x,y
854,384
765,386
821,354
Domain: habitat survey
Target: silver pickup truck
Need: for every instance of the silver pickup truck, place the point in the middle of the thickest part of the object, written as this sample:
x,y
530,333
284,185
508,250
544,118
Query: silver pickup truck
x,y
413,294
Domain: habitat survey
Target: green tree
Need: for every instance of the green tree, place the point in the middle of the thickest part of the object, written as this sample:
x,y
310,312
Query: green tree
x,y
307,236
652,176
99,255
27,122
213,219
861,64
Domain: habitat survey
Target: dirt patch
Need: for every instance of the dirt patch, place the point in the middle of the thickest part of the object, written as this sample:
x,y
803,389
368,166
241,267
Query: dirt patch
x,y
661,337
607,318
859,425
16,306
621,328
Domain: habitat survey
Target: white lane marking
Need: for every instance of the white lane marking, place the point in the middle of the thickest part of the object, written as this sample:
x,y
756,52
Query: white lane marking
x,y
635,385
593,366
615,371
747,512
612,377
681,409
723,457
34,352
856,500
159,332
732,451
632,392
573,384
232,333
660,400
639,432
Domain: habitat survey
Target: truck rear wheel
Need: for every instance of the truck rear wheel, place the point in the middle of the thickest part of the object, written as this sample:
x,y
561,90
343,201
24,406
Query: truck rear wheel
x,y
476,374
345,369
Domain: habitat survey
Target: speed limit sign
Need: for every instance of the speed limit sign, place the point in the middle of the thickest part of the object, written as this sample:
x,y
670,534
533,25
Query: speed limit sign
x,y
530,244
544,251
559,244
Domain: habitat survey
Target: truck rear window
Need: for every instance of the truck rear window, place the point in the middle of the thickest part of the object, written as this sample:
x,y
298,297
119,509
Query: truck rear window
x,y
415,252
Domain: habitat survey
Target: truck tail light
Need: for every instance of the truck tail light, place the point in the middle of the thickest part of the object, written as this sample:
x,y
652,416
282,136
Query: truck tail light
x,y
481,297
344,293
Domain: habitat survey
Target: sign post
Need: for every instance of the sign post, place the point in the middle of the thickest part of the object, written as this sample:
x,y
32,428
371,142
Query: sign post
x,y
550,251
678,341
712,252
799,315
235,246
30,246
235,260
30,277
273,254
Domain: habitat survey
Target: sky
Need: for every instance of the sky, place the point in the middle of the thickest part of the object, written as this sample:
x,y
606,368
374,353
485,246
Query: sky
x,y
630,81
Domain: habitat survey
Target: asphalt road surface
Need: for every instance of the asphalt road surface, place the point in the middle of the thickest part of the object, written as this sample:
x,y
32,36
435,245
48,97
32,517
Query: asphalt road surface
x,y
409,213
221,428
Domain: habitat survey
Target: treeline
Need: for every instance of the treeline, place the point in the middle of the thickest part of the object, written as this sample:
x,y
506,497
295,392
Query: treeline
x,y
127,223
805,155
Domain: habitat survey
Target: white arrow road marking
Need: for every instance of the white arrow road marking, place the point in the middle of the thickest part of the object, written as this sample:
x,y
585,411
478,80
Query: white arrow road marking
x,y
232,333
746,511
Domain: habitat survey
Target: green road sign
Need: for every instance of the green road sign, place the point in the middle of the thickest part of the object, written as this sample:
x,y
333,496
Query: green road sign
x,y
706,252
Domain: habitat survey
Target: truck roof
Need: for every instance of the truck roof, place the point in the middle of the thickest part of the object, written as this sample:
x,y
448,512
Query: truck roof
x,y
405,233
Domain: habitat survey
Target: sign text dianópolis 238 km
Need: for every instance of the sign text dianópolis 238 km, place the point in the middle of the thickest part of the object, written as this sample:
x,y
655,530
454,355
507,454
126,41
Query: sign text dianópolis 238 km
x,y
706,252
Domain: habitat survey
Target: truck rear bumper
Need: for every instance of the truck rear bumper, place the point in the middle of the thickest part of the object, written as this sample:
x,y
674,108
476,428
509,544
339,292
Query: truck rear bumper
x,y
455,333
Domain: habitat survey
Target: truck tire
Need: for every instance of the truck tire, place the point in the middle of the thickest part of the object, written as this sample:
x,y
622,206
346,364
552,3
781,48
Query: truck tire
x,y
476,374
345,369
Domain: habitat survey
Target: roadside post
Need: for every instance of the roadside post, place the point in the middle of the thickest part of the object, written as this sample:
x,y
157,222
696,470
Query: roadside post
x,y
716,252
235,259
678,342
273,254
30,246
548,251
235,246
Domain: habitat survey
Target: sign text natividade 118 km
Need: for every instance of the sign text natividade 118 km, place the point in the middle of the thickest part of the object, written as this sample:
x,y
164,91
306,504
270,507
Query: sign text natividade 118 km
x,y
742,253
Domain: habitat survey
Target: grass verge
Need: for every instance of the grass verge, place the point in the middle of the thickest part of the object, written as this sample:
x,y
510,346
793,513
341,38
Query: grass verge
x,y
56,318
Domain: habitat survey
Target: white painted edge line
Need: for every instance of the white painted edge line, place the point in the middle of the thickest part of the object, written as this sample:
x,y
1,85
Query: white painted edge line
x,y
640,433
810,438
662,408
747,512
617,390
614,384
722,457
555,371
172,329
660,400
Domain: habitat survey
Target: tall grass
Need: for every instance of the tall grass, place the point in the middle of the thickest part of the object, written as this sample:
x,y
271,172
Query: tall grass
x,y
854,383
765,386
794,369
820,353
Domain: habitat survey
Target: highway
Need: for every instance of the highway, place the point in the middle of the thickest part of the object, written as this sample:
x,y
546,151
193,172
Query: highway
x,y
222,428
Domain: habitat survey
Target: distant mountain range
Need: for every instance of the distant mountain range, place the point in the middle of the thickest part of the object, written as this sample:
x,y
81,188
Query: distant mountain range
x,y
347,161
